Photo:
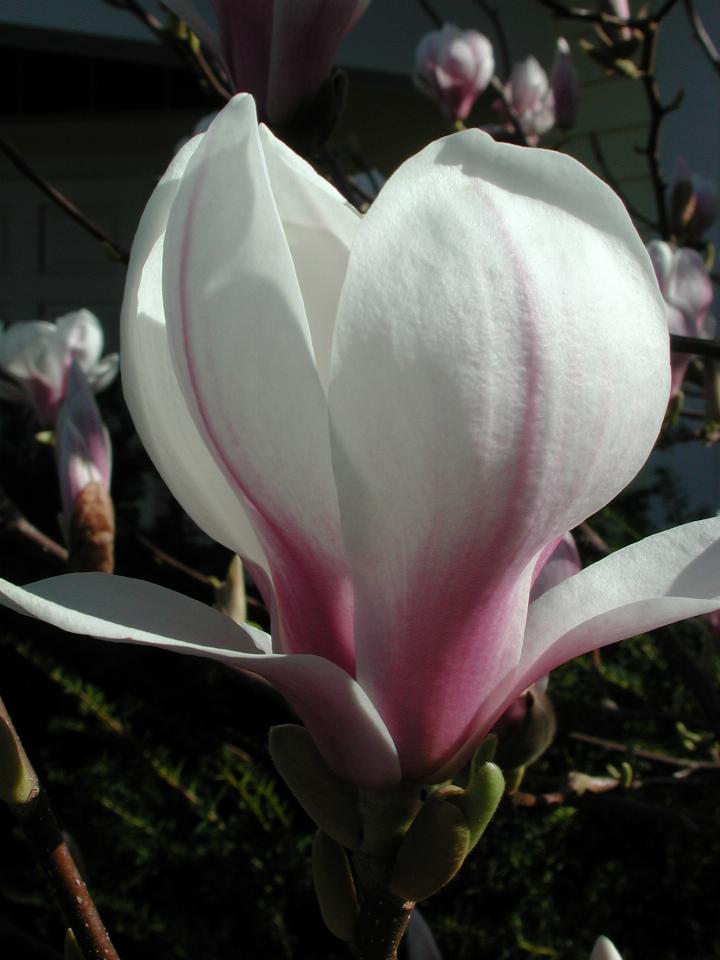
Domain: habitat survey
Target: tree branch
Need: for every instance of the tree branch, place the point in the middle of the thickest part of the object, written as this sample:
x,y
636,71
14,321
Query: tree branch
x,y
66,205
701,34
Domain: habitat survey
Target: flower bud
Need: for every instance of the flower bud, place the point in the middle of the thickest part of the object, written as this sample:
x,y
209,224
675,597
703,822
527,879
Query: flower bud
x,y
694,203
279,52
531,98
432,851
18,781
565,85
84,458
453,67
330,802
36,356
334,887
526,730
71,949
688,293
621,10
230,597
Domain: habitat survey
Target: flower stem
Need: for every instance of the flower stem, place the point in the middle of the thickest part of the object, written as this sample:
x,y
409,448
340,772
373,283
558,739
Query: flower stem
x,y
384,916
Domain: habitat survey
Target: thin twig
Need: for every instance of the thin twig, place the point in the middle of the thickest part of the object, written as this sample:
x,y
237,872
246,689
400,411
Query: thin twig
x,y
171,561
592,537
494,17
701,34
209,581
657,113
428,8
66,205
607,173
188,56
696,345
12,520
37,819
683,762
600,17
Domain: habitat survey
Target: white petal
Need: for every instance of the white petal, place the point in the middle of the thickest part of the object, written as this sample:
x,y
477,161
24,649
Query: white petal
x,y
152,392
604,949
32,349
83,337
343,722
104,372
319,226
242,350
664,578
500,372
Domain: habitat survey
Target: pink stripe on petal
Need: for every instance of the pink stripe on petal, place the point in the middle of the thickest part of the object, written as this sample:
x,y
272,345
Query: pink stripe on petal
x,y
479,383
242,349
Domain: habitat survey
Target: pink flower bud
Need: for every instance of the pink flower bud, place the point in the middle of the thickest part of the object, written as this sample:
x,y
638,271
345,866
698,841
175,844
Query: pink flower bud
x,y
687,291
84,454
453,67
531,98
35,358
565,85
280,51
694,203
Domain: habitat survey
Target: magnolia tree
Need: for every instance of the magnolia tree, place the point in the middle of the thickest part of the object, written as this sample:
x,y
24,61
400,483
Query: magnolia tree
x,y
395,408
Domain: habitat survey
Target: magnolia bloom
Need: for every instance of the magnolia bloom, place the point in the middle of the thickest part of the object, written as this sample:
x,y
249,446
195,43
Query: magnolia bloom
x,y
36,357
687,290
565,85
392,419
280,51
530,98
453,67
82,443
694,203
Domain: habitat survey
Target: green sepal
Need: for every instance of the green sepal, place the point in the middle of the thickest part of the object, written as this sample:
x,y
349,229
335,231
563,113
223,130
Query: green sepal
x,y
331,803
432,851
71,948
480,799
334,887
513,779
18,782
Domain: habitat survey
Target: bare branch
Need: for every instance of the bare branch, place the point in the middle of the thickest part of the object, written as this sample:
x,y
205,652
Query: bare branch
x,y
66,205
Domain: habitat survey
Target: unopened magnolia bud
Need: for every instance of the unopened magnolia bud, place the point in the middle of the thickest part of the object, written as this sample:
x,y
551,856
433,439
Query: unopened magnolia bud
x,y
331,803
91,533
565,86
525,730
480,799
334,887
694,204
18,781
432,851
71,949
84,459
453,67
230,598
